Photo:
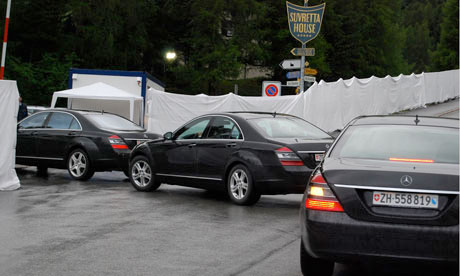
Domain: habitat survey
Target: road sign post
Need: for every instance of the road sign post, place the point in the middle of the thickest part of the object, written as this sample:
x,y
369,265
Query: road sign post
x,y
309,52
292,83
304,25
309,79
290,64
310,71
293,75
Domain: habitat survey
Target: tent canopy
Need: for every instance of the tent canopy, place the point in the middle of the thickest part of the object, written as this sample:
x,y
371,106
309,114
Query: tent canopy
x,y
100,96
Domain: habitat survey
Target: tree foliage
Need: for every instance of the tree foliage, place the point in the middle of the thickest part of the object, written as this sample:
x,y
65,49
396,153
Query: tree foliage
x,y
446,55
216,40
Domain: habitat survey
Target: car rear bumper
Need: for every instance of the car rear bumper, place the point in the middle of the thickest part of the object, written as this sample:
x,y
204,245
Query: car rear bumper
x,y
338,237
116,162
287,180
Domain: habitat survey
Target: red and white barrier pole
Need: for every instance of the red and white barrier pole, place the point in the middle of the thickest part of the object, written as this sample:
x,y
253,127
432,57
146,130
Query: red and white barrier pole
x,y
5,37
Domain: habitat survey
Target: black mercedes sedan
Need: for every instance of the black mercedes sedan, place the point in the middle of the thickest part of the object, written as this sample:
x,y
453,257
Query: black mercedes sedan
x,y
245,154
387,190
82,142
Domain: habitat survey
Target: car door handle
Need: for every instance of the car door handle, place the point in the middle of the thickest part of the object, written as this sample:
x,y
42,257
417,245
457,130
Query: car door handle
x,y
34,133
191,145
231,145
72,133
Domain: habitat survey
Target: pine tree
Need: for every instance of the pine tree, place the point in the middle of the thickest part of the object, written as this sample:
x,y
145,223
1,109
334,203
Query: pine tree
x,y
446,55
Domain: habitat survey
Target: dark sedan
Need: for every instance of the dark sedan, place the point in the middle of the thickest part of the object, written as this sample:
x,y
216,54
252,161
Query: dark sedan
x,y
82,142
386,191
245,154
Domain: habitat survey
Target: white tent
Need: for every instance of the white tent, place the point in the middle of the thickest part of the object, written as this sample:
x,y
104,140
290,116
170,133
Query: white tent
x,y
101,96
9,104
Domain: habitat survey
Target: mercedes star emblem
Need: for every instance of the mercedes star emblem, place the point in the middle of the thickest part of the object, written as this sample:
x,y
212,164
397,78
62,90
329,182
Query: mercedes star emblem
x,y
406,180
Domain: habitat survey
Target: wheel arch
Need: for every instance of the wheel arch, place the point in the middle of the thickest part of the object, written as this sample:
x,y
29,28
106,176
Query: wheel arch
x,y
142,151
85,144
246,158
231,165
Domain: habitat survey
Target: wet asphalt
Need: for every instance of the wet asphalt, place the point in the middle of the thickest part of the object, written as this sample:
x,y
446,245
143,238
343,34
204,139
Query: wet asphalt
x,y
57,226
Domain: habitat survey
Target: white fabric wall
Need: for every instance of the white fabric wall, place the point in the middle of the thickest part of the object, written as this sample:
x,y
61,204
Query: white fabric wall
x,y
9,104
329,105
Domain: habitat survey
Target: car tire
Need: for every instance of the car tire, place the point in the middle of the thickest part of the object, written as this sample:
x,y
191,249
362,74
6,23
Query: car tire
x,y
141,175
79,166
126,172
314,266
42,171
240,186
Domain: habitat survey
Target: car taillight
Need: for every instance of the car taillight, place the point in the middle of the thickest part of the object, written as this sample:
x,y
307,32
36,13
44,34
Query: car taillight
x,y
288,158
320,196
117,142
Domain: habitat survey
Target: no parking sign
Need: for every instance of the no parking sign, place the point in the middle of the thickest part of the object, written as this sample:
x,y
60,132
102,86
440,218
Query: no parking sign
x,y
271,89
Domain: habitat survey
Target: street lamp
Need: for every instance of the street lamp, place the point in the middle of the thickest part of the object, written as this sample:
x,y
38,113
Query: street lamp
x,y
170,56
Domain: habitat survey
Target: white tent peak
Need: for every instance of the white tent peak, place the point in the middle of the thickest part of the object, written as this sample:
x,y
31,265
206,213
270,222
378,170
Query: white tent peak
x,y
97,90
103,93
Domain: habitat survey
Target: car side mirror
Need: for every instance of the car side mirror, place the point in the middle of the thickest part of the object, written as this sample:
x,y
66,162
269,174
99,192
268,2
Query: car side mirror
x,y
168,135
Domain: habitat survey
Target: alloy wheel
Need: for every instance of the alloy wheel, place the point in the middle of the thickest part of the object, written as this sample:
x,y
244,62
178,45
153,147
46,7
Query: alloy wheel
x,y
77,164
239,184
141,173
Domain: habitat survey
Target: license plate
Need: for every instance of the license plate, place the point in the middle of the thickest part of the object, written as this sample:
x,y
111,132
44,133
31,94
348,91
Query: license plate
x,y
408,200
319,157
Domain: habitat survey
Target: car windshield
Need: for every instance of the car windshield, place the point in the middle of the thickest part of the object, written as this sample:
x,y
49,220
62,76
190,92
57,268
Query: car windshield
x,y
113,122
287,127
399,143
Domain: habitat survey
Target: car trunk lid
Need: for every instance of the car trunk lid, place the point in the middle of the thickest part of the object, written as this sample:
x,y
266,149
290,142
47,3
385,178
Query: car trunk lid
x,y
360,185
310,151
133,138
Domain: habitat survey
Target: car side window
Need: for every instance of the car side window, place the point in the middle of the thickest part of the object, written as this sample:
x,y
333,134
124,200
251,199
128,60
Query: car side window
x,y
75,125
59,120
224,128
35,121
194,130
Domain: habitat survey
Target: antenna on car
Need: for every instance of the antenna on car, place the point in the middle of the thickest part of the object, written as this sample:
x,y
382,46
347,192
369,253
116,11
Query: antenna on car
x,y
416,120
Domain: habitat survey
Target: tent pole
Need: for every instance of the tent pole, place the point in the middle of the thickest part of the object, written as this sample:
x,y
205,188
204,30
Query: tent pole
x,y
141,117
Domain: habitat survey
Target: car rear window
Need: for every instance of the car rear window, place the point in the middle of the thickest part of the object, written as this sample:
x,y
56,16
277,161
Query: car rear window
x,y
287,127
113,122
399,143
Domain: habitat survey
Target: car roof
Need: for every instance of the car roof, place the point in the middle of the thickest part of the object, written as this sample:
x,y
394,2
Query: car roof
x,y
405,120
252,114
83,112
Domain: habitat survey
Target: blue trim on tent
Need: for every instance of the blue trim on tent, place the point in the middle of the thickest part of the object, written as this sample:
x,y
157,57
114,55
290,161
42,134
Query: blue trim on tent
x,y
70,81
144,86
144,75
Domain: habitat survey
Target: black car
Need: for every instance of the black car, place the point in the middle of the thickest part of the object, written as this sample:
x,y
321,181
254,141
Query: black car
x,y
386,191
246,154
81,141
